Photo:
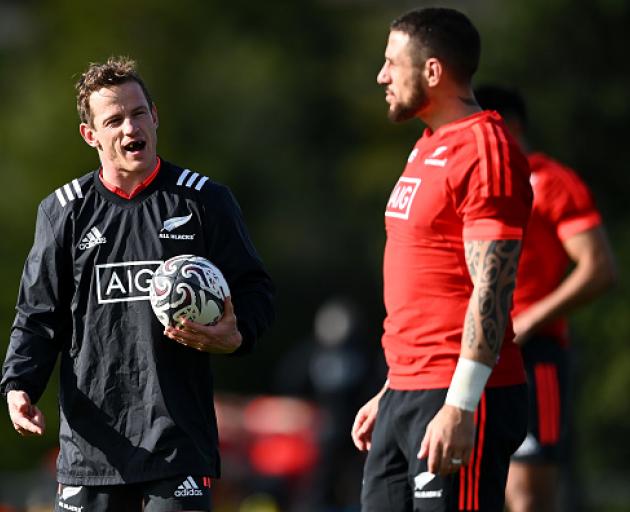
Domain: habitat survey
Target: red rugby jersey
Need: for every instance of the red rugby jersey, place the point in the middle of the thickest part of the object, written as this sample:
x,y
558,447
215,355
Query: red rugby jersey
x,y
468,180
563,206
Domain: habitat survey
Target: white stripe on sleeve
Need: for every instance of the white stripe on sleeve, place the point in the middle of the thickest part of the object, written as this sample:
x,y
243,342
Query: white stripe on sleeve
x,y
62,199
182,176
201,183
77,188
192,179
69,193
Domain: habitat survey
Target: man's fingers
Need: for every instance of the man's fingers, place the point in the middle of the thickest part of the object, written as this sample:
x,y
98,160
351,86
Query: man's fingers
x,y
434,461
228,306
433,452
424,446
361,430
38,419
25,426
357,431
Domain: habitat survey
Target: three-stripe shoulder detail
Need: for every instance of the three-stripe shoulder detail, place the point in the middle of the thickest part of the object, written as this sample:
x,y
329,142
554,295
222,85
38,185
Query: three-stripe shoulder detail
x,y
190,179
69,192
494,161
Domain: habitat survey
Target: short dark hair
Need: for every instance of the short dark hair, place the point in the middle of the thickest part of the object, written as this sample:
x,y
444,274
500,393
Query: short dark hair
x,y
116,71
446,34
506,101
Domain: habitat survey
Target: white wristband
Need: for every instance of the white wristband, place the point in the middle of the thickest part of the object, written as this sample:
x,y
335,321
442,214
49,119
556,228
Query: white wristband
x,y
467,384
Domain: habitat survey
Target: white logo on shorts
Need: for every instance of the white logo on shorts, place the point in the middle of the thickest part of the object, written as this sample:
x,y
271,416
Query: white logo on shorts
x,y
68,492
421,481
529,446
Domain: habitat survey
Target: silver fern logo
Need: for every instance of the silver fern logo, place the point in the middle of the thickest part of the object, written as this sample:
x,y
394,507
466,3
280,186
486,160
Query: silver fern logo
x,y
174,223
69,491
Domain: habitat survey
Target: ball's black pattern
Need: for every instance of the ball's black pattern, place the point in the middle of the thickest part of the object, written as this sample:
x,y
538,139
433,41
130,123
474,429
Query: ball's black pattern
x,y
190,287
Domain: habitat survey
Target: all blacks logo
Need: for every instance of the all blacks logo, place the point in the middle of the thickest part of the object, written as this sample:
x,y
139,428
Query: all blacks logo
x,y
124,282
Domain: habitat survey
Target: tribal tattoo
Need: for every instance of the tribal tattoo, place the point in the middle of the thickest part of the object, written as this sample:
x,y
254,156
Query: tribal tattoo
x,y
492,265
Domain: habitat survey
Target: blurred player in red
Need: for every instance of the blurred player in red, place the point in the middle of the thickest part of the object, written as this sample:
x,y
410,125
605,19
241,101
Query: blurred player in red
x,y
565,228
441,432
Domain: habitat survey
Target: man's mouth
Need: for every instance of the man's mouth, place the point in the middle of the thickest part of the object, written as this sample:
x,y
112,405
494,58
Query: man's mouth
x,y
134,146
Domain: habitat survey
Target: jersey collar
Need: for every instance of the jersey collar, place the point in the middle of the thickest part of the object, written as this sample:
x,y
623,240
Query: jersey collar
x,y
139,188
462,123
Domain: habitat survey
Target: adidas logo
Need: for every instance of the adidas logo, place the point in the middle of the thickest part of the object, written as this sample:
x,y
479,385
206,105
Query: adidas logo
x,y
93,237
188,488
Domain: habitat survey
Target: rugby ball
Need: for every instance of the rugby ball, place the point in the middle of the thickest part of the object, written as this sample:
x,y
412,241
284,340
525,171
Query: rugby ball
x,y
188,287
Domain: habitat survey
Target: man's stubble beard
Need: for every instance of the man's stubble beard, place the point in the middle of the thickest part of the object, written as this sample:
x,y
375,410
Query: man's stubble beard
x,y
410,109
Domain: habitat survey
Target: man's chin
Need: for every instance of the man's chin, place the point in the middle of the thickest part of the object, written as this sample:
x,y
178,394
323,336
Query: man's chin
x,y
400,115
139,161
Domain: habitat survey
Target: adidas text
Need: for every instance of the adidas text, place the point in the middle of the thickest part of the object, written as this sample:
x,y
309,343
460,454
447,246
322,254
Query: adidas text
x,y
89,244
188,492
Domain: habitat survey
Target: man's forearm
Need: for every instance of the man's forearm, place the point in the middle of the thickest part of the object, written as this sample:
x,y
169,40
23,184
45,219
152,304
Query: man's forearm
x,y
492,265
594,272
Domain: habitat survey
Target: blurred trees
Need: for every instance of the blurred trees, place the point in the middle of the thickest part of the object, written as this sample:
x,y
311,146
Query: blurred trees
x,y
278,100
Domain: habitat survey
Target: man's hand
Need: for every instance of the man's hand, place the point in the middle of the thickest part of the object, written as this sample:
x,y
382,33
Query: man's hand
x,y
27,419
448,440
364,423
525,324
221,338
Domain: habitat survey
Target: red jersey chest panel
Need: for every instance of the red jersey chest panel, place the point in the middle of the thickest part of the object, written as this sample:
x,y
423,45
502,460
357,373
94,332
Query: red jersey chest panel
x,y
447,187
421,203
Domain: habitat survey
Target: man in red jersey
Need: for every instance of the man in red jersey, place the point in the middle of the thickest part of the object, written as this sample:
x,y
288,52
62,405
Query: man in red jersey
x,y
441,432
564,227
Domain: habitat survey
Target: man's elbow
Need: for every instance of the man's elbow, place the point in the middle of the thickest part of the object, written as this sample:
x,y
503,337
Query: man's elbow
x,y
606,272
611,276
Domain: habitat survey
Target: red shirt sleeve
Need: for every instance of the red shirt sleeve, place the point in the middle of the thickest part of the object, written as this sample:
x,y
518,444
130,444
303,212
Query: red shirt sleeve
x,y
494,196
566,201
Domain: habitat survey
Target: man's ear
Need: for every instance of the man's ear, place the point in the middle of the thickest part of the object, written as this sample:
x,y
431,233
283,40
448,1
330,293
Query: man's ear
x,y
87,132
433,71
154,115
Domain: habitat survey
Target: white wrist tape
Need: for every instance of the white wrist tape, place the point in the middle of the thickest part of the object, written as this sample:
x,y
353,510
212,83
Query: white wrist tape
x,y
467,384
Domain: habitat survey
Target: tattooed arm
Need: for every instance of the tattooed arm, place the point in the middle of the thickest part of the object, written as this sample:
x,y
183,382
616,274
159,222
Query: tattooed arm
x,y
492,266
449,437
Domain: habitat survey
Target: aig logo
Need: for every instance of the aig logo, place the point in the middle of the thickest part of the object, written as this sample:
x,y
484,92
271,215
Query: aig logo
x,y
124,282
401,199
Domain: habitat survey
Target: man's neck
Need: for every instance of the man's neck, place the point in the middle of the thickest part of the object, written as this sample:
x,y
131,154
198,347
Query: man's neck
x,y
448,108
127,181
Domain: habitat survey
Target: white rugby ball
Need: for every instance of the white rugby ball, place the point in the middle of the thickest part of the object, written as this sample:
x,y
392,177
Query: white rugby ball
x,y
188,287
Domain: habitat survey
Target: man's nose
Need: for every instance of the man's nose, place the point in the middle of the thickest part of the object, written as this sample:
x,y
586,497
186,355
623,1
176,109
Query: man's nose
x,y
383,75
129,125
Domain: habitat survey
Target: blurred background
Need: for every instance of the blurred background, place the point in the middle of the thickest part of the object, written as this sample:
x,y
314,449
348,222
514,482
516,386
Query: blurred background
x,y
278,100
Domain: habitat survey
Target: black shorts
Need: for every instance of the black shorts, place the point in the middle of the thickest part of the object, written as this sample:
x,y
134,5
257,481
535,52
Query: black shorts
x,y
178,493
546,365
395,480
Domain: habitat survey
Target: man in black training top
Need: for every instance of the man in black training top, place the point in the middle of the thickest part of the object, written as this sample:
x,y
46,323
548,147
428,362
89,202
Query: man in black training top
x,y
138,428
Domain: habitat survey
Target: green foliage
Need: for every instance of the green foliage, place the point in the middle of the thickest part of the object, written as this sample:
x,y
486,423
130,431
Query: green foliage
x,y
279,101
